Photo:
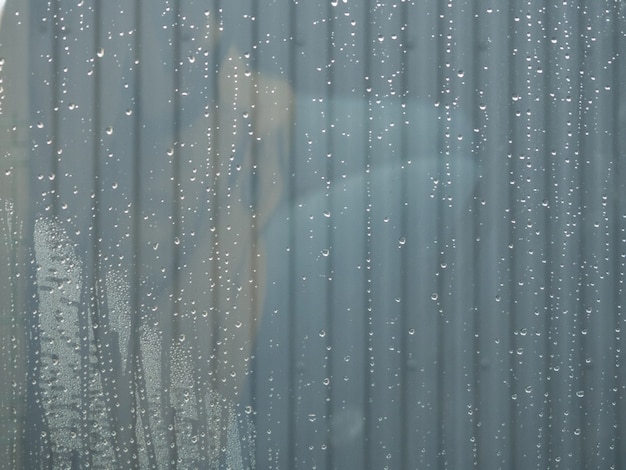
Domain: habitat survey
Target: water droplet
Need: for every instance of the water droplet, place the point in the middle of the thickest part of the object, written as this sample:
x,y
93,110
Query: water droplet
x,y
100,52
434,296
325,252
312,417
109,130
322,333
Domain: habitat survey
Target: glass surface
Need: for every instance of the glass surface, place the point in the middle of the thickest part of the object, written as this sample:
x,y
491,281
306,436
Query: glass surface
x,y
284,234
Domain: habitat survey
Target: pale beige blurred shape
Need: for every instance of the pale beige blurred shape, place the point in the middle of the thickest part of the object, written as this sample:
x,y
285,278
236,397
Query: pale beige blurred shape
x,y
225,274
233,257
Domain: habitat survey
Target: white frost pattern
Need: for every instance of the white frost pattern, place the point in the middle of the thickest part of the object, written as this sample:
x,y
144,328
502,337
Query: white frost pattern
x,y
118,302
59,292
79,413
150,343
185,403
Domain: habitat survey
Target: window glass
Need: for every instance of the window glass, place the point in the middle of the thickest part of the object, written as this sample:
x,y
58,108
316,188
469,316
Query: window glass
x,y
312,234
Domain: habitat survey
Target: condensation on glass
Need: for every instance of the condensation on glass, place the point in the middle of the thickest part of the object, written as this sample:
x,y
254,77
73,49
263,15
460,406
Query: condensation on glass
x,y
319,234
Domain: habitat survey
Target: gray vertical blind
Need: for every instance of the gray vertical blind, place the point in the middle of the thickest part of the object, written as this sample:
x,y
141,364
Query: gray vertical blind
x,y
318,235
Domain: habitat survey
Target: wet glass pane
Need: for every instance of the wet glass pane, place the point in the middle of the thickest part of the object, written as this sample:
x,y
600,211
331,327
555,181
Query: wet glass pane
x,y
284,234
